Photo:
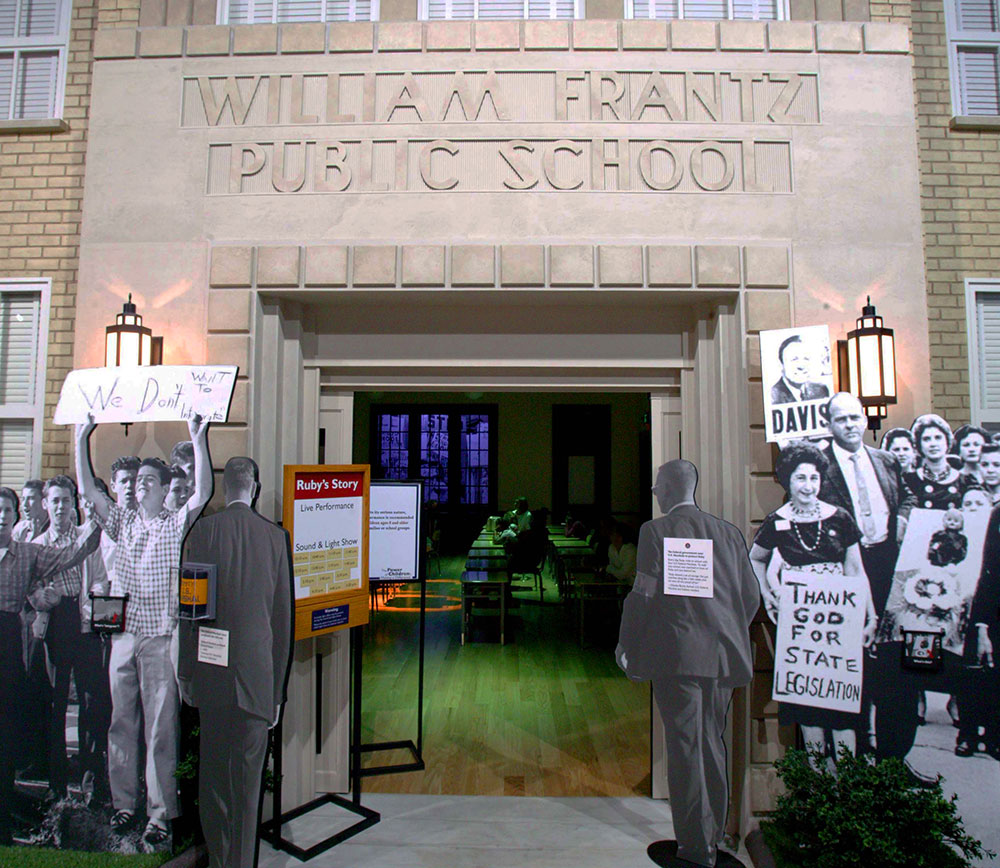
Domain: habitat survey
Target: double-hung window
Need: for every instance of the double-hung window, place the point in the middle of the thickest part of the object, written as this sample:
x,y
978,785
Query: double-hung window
x,y
982,305
973,44
291,11
33,44
24,329
708,10
443,10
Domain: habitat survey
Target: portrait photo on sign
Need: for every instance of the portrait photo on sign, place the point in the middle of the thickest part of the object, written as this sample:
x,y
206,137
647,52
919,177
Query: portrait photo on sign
x,y
797,381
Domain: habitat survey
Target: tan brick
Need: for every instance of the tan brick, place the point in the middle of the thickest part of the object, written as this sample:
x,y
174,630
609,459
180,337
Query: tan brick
x,y
837,36
886,39
742,35
229,310
400,36
114,44
766,267
498,35
161,42
767,309
522,265
207,40
546,35
375,266
449,35
423,265
619,265
791,36
693,35
472,265
255,39
231,266
595,35
641,35
303,38
228,350
717,265
571,265
326,265
278,266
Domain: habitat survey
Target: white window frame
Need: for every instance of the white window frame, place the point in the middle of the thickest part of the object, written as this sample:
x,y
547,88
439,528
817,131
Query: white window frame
x,y
222,12
423,13
782,8
961,39
21,45
978,286
35,411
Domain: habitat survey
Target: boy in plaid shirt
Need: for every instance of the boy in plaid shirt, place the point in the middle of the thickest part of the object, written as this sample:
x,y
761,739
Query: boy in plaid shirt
x,y
143,681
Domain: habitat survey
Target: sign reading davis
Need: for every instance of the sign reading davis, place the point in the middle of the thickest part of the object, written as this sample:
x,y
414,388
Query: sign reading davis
x,y
501,96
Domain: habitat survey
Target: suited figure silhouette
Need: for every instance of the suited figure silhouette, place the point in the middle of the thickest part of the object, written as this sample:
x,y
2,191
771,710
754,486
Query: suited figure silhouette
x,y
695,650
240,701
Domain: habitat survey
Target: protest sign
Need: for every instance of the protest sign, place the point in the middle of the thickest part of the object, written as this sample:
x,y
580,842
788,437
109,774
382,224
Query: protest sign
x,y
818,656
936,574
797,381
158,393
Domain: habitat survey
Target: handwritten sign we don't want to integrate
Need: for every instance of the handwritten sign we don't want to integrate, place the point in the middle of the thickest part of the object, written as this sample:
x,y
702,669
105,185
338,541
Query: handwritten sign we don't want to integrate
x,y
160,393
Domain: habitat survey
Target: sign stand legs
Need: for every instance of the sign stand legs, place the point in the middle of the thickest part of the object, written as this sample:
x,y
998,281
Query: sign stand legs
x,y
416,750
271,830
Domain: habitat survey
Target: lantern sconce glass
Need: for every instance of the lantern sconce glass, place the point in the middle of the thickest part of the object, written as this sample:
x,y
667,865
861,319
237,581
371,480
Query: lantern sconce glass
x,y
128,343
869,358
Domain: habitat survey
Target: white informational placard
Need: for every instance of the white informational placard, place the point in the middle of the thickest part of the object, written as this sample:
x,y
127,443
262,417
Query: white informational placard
x,y
394,531
213,646
797,379
160,393
329,525
687,567
818,655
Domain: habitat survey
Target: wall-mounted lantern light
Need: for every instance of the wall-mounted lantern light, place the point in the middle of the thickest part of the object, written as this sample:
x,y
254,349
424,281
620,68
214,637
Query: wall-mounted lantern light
x,y
129,343
871,365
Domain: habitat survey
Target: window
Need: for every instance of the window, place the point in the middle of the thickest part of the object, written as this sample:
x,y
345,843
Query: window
x,y
33,39
281,11
982,305
24,329
434,10
452,450
973,42
754,10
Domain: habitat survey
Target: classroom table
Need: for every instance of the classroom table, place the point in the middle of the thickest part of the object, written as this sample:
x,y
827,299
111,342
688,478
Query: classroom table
x,y
589,587
484,593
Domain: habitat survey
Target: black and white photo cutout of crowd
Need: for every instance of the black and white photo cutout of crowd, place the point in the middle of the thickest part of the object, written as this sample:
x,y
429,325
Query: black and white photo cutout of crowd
x,y
89,718
919,518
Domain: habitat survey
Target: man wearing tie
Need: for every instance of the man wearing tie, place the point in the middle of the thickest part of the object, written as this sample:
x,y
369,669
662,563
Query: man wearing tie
x,y
868,484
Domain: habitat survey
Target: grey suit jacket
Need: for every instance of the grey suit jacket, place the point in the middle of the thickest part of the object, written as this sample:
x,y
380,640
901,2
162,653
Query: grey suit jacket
x,y
898,496
254,603
708,638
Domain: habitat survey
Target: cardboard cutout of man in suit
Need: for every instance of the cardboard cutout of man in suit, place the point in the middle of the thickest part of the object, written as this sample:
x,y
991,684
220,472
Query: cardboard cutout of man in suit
x,y
695,650
240,701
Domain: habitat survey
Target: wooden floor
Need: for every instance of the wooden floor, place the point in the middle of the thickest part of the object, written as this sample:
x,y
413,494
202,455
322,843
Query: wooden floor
x,y
539,716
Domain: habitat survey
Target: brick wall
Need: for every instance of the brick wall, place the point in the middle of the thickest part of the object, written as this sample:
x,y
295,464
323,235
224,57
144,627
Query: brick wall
x,y
960,180
41,192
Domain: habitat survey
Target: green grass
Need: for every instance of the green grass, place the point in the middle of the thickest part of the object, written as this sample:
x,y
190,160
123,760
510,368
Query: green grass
x,y
44,857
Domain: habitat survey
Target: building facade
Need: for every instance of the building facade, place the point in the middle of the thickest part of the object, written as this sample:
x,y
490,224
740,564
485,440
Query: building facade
x,y
583,197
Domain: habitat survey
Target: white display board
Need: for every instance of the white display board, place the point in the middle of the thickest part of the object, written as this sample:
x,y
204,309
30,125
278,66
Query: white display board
x,y
394,531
